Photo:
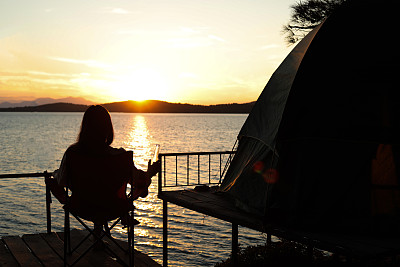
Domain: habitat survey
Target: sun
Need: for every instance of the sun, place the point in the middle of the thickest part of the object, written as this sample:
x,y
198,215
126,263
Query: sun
x,y
141,84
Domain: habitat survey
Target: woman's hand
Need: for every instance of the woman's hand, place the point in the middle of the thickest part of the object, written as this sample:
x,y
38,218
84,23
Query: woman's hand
x,y
142,180
154,168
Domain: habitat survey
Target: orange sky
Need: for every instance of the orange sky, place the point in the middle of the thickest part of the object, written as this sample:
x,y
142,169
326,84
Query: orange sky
x,y
200,52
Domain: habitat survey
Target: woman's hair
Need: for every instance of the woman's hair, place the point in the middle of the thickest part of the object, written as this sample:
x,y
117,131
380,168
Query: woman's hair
x,y
96,129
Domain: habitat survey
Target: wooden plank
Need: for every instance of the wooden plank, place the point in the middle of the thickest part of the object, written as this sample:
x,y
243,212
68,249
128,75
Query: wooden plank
x,y
95,257
41,250
384,242
147,261
213,205
141,259
6,258
20,251
57,245
123,255
221,207
357,245
48,250
206,198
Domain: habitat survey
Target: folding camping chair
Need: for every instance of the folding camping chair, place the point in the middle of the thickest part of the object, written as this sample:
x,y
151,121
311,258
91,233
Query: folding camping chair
x,y
98,194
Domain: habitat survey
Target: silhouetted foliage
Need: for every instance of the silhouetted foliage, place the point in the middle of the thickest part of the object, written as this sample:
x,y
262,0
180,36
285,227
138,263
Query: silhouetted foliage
x,y
306,15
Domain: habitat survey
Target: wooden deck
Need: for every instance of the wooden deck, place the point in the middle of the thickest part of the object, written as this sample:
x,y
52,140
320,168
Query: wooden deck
x,y
47,250
221,207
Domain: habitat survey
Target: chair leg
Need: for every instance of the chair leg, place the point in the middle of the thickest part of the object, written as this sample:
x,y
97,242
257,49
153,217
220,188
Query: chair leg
x,y
98,233
107,229
131,232
67,238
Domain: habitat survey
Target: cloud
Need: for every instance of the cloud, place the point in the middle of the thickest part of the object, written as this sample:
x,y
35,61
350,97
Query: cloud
x,y
187,75
133,32
88,62
120,11
270,46
188,30
193,38
191,42
40,76
115,10
213,37
11,74
33,84
274,57
47,74
181,31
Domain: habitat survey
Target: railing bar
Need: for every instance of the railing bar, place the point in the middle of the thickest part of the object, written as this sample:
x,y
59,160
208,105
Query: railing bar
x,y
160,176
187,168
220,164
198,169
24,175
196,153
184,185
165,175
209,168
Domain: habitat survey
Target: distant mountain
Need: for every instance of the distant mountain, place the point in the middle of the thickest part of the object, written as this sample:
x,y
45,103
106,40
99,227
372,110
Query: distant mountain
x,y
44,101
150,106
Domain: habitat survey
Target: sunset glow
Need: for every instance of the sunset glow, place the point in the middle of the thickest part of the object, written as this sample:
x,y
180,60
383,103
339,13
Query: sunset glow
x,y
142,84
200,52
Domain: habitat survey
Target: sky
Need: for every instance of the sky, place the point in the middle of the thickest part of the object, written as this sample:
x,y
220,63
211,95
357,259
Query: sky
x,y
186,51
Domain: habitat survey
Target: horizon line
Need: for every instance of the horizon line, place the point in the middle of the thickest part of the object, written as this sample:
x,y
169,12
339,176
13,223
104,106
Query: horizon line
x,y
89,102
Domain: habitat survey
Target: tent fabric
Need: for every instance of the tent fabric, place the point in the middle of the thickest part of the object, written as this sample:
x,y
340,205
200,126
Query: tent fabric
x,y
322,122
248,153
262,124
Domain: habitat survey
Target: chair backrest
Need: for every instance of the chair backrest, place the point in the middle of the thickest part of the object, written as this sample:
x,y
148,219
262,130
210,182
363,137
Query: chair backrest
x,y
98,184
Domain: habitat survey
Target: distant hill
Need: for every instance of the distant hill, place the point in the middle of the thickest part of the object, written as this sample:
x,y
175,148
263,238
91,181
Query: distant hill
x,y
150,106
44,101
56,107
155,106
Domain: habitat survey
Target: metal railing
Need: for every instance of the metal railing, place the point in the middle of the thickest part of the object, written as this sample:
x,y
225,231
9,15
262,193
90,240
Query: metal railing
x,y
194,168
44,174
184,169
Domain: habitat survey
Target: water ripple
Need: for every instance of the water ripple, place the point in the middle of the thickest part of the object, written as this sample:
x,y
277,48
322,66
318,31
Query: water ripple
x,y
35,142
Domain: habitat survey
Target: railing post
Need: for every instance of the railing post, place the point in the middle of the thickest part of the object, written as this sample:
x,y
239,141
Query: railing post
x,y
209,168
235,244
269,239
176,170
198,169
48,203
165,233
160,176
220,166
187,169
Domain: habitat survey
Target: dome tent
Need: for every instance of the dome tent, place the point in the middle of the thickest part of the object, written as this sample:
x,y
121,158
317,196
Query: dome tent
x,y
326,128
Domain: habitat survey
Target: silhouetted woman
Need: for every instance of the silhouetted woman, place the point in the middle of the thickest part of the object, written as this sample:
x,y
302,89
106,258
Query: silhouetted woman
x,y
95,138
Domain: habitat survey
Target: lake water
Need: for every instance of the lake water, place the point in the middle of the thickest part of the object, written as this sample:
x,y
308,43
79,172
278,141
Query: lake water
x,y
35,142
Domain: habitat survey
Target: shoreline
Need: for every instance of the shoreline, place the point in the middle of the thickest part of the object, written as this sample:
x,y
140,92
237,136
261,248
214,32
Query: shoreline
x,y
150,106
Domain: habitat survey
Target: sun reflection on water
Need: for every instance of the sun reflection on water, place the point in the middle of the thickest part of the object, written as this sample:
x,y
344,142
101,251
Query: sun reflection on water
x,y
139,141
148,211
